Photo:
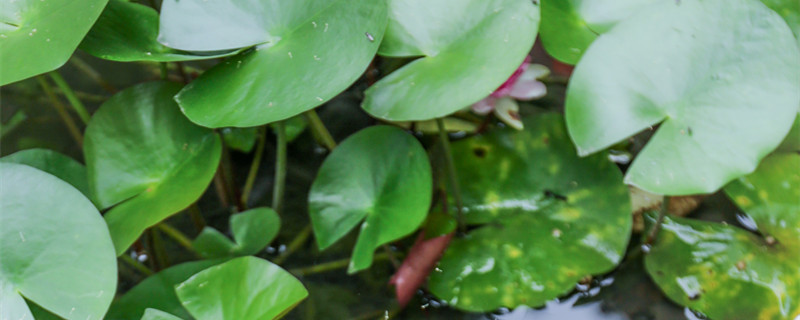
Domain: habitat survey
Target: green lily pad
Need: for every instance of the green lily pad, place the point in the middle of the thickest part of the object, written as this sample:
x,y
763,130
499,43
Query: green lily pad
x,y
548,218
39,36
157,291
792,140
253,230
728,273
719,77
240,139
142,153
467,48
790,11
57,164
154,314
306,52
243,288
380,175
569,26
46,225
127,31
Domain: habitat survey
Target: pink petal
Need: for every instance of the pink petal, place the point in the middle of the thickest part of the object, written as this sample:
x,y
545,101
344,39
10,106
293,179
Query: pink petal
x,y
418,265
505,88
484,106
528,90
507,110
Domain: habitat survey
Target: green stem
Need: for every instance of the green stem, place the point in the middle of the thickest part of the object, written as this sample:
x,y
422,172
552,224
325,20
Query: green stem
x,y
176,235
390,255
164,72
319,129
136,265
62,111
332,265
280,167
92,74
158,251
76,103
293,246
253,172
455,189
651,236
197,217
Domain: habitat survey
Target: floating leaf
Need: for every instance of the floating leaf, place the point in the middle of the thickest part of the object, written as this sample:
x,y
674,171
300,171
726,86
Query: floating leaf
x,y
127,31
253,230
57,164
549,218
306,52
243,288
141,151
380,175
157,291
790,11
39,36
720,77
729,273
467,49
569,26
46,225
240,139
153,314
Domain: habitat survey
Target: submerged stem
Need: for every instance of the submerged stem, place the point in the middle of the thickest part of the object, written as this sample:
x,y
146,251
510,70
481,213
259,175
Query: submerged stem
x,y
92,73
280,167
319,129
333,265
253,172
197,217
452,177
61,110
76,103
164,71
176,235
293,246
651,236
136,265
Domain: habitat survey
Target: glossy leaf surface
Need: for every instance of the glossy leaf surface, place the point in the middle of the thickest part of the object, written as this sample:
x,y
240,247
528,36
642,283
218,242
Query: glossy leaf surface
x,y
60,231
158,292
548,218
57,164
243,288
253,230
569,26
306,52
467,50
728,273
145,156
39,36
127,31
381,176
718,77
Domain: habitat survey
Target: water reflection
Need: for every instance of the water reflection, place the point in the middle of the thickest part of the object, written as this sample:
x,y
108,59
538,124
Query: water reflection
x,y
566,309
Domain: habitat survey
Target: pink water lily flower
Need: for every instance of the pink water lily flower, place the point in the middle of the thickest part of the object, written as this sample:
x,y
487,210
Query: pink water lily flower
x,y
522,85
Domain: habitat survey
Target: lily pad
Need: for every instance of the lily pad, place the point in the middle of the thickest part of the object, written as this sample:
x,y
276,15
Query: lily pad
x,y
569,26
243,288
154,314
790,11
127,31
157,291
39,36
547,218
45,225
253,230
718,77
380,175
240,139
306,52
728,273
57,164
145,156
467,49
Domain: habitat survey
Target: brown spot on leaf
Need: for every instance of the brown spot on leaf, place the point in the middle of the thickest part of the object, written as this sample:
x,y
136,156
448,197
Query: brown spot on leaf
x,y
741,265
479,152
